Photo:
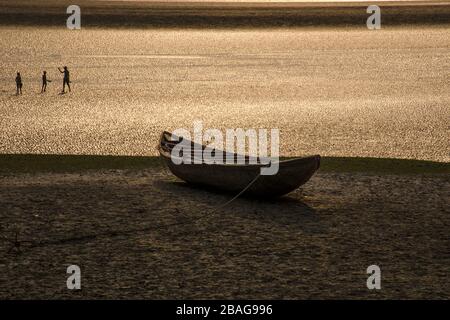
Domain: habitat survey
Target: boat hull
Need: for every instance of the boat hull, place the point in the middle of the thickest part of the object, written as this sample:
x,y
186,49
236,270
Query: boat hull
x,y
235,177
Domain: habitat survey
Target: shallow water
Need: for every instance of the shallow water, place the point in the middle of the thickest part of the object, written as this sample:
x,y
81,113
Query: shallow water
x,y
346,92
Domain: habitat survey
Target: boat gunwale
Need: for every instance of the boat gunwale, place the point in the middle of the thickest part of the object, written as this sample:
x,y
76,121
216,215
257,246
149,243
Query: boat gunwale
x,y
168,156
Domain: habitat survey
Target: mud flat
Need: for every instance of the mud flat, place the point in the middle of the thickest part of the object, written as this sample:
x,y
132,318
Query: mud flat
x,y
144,234
334,92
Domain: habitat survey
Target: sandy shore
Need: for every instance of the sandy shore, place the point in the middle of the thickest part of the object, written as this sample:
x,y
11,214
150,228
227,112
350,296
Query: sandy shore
x,y
142,234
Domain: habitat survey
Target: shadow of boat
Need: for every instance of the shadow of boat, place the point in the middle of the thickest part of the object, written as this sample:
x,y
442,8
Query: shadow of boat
x,y
287,212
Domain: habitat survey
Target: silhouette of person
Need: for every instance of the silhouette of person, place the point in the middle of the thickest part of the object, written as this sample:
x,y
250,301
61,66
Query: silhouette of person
x,y
18,84
66,79
44,81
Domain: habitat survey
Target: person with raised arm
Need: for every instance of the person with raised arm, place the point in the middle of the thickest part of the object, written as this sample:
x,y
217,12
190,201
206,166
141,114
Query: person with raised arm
x,y
66,79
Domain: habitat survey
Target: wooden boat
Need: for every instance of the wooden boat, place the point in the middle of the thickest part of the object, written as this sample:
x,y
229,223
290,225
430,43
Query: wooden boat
x,y
292,173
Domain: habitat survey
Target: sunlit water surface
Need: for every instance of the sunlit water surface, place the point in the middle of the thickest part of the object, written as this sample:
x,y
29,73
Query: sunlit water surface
x,y
341,92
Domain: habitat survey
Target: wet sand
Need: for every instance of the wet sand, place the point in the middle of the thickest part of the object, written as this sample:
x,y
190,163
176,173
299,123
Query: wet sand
x,y
335,92
143,234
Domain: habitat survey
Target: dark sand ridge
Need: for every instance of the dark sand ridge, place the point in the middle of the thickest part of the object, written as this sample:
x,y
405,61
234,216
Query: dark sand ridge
x,y
315,243
44,163
221,15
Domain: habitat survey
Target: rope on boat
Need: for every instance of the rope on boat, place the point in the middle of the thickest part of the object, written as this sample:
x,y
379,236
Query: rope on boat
x,y
240,193
16,244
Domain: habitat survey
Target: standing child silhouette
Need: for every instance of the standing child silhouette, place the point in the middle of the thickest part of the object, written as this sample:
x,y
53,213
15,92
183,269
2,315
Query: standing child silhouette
x,y
18,84
44,81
